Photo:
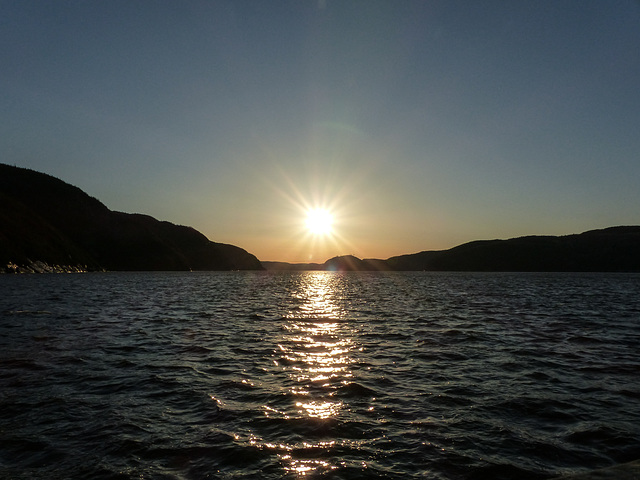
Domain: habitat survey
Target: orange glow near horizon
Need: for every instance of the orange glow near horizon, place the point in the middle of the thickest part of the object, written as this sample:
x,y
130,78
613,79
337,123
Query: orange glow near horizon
x,y
313,220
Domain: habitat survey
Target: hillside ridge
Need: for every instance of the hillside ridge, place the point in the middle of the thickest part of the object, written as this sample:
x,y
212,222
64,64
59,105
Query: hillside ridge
x,y
47,225
612,249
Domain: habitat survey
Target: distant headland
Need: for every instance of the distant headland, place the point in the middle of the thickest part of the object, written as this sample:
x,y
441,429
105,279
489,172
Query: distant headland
x,y
47,225
614,249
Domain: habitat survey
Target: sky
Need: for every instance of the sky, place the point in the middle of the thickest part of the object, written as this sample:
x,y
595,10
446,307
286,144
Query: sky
x,y
419,125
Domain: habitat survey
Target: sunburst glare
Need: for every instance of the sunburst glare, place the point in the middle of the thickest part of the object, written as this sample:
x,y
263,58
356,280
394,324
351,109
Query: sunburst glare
x,y
319,221
318,216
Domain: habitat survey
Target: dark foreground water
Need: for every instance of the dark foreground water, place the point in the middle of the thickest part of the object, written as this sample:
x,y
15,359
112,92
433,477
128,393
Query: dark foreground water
x,y
287,375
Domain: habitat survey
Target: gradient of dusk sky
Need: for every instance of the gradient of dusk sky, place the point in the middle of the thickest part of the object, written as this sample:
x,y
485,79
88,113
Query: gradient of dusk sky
x,y
420,124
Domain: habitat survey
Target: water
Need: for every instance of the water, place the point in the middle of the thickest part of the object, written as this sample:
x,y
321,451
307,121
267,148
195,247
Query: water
x,y
317,374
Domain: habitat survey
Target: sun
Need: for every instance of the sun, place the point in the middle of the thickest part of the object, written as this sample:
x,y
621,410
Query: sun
x,y
319,221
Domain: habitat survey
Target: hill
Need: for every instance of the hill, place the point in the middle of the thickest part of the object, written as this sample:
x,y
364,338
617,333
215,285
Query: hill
x,y
614,249
292,267
49,225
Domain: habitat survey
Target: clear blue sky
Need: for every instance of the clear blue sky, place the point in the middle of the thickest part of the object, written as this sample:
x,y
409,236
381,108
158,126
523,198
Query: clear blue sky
x,y
420,124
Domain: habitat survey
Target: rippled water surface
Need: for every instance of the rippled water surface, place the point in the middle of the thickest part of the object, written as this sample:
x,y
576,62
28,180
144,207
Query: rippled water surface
x,y
317,374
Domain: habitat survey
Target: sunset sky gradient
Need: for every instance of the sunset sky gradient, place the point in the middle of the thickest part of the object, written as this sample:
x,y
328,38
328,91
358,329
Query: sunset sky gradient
x,y
419,124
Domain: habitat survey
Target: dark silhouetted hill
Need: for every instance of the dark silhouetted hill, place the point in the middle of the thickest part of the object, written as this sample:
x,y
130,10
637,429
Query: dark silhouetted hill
x,y
614,249
350,263
44,220
344,263
295,267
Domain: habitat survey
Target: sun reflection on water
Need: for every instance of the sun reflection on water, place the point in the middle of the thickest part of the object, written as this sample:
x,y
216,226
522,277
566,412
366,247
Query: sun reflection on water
x,y
307,467
315,353
317,293
320,409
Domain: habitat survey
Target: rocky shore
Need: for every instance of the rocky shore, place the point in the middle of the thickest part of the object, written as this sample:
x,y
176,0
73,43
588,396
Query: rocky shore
x,y
42,267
